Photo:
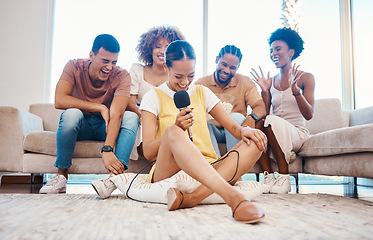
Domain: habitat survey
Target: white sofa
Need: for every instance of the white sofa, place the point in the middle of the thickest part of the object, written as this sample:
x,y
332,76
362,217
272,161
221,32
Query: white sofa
x,y
341,143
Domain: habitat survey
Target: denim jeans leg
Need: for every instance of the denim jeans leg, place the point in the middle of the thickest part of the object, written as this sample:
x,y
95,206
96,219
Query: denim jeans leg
x,y
216,136
126,137
71,123
230,139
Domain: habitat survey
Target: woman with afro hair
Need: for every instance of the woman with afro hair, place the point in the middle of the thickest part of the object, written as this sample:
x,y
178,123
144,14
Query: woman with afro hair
x,y
289,100
149,73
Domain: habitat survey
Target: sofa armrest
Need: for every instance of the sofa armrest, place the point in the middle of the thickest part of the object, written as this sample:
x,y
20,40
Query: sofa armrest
x,y
339,141
361,116
15,123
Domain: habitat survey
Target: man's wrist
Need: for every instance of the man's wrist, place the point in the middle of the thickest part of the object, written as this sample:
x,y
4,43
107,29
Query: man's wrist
x,y
107,148
254,116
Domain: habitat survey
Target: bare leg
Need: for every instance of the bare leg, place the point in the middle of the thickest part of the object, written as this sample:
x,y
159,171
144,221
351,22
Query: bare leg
x,y
264,159
226,168
171,158
279,155
63,172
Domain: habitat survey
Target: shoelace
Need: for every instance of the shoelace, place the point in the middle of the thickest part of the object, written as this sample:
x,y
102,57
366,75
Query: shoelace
x,y
108,183
269,179
52,181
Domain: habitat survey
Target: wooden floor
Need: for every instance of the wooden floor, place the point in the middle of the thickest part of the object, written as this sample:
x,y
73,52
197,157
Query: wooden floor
x,y
21,184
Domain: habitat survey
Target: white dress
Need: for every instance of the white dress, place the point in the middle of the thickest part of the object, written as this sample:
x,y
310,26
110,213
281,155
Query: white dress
x,y
138,84
138,87
287,122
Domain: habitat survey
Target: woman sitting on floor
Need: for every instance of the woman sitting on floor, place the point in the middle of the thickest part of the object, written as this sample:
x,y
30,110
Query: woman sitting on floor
x,y
166,141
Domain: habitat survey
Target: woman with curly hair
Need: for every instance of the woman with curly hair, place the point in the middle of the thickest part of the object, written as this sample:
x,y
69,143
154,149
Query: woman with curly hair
x,y
291,95
150,74
151,48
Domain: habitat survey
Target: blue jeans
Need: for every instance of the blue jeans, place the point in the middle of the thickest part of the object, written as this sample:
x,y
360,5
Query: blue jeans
x,y
221,135
74,126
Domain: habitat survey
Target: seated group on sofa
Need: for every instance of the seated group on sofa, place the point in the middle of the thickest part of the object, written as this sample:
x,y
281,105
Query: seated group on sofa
x,y
136,118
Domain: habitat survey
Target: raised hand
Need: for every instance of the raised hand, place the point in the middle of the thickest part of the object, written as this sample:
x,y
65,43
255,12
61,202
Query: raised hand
x,y
264,83
294,76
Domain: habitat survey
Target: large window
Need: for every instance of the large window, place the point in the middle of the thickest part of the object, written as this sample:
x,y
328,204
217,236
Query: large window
x,y
246,24
362,39
320,30
78,22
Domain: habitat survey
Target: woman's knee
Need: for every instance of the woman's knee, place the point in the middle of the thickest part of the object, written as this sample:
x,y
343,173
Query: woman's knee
x,y
173,132
249,151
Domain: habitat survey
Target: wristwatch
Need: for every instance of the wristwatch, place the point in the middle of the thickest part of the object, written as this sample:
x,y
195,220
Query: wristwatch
x,y
107,148
254,116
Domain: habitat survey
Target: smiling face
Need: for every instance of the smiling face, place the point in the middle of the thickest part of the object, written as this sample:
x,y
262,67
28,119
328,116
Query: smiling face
x,y
159,50
280,53
181,74
226,68
102,64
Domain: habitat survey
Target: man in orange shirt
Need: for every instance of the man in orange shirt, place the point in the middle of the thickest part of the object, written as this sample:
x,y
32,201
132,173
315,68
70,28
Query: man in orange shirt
x,y
94,93
225,80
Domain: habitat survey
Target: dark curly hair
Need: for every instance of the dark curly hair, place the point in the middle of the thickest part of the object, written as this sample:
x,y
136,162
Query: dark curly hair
x,y
148,40
290,37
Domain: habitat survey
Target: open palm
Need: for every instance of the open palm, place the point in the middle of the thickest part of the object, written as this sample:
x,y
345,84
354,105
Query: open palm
x,y
264,83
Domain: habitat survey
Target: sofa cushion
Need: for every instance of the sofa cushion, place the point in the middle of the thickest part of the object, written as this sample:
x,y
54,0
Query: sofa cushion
x,y
45,142
339,141
327,116
49,114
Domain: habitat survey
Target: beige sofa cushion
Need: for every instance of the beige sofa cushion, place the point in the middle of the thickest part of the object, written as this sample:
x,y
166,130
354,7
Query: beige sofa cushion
x,y
327,116
49,114
45,142
339,141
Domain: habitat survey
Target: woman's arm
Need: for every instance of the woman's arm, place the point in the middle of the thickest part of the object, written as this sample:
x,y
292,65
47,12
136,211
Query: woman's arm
x,y
265,84
240,132
306,100
149,131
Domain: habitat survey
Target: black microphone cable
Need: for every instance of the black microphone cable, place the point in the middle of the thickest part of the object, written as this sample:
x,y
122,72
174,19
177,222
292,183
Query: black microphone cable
x,y
133,179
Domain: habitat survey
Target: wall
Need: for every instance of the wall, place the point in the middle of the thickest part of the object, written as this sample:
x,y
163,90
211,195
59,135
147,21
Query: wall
x,y
25,51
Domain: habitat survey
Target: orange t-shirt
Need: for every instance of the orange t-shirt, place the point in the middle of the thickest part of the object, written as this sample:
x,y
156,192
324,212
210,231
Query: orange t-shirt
x,y
76,73
240,86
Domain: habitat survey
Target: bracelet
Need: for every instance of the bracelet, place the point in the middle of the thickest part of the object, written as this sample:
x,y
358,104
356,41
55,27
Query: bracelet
x,y
297,94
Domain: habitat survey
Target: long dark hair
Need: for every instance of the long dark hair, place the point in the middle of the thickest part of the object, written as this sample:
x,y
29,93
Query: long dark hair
x,y
178,50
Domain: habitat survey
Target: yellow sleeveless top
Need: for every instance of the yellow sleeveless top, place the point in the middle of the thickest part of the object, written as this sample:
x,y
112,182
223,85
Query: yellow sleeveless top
x,y
201,136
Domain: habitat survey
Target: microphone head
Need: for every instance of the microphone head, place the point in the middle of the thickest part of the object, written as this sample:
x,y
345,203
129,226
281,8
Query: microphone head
x,y
181,99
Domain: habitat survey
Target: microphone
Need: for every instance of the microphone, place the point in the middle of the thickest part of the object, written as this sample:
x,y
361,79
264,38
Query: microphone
x,y
182,100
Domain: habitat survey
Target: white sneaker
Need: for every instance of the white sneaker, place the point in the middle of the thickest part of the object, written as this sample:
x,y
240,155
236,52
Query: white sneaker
x,y
268,182
104,187
57,184
282,184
